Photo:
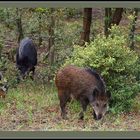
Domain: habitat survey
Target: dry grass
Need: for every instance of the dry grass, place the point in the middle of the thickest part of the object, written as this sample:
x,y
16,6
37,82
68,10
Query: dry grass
x,y
36,107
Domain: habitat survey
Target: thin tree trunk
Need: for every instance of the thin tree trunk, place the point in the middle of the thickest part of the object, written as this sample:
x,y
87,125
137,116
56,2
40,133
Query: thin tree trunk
x,y
51,43
108,14
51,38
40,27
112,19
117,16
8,17
133,28
86,25
19,25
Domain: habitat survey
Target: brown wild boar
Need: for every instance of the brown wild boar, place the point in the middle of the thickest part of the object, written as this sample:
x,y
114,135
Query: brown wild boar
x,y
86,86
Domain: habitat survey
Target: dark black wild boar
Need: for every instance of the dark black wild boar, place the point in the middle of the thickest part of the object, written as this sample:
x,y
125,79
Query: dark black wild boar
x,y
26,57
86,86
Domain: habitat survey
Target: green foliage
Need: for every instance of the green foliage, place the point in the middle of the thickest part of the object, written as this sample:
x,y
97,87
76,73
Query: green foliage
x,y
117,64
3,60
8,69
138,72
66,33
0,49
41,10
7,17
72,12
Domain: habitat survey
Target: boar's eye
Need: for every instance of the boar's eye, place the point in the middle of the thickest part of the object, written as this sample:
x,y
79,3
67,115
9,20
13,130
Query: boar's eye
x,y
105,105
97,104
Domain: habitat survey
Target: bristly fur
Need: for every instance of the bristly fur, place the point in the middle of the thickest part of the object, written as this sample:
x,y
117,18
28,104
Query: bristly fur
x,y
101,83
85,85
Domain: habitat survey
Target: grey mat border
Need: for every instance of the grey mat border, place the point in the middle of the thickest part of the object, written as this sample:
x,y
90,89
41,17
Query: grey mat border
x,y
70,134
75,4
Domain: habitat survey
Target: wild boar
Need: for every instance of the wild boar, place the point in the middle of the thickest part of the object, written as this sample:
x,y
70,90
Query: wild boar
x,y
84,85
26,57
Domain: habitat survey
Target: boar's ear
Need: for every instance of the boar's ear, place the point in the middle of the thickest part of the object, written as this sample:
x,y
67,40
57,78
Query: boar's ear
x,y
95,92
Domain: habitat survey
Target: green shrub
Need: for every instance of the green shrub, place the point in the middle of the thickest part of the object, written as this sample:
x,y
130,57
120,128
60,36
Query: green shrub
x,y
115,62
2,58
138,72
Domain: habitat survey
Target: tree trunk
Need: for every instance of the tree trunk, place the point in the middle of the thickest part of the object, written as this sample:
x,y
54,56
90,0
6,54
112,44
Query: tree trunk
x,y
117,16
19,25
86,25
107,21
51,43
112,19
133,28
51,38
8,17
40,28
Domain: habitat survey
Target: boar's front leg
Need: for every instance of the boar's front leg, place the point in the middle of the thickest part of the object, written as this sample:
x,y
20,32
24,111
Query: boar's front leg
x,y
84,102
32,73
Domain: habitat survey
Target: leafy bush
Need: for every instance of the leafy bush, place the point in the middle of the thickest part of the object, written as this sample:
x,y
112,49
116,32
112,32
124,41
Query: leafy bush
x,y
2,58
138,72
115,62
7,68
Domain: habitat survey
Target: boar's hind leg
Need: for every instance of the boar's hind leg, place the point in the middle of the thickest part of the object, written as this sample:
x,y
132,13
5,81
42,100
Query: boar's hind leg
x,y
64,98
84,102
33,73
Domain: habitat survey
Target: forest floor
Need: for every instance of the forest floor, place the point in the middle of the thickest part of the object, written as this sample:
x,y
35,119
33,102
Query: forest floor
x,y
32,107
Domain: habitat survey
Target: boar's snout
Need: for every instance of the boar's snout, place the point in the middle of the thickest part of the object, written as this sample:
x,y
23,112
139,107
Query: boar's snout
x,y
97,117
